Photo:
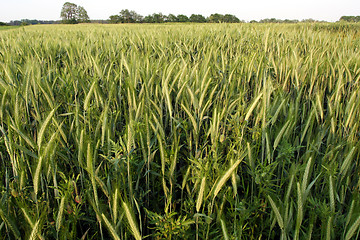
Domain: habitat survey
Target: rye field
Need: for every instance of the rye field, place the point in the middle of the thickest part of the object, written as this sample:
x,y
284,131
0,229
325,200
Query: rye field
x,y
180,131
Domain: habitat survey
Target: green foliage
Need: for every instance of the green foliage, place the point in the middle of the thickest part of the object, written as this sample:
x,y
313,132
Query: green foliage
x,y
227,18
168,226
7,27
126,16
216,18
230,18
155,18
197,18
274,20
182,18
350,18
72,14
208,131
32,22
172,18
115,19
82,15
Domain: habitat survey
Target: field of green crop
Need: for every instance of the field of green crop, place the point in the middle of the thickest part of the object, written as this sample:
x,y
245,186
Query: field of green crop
x,y
7,27
213,131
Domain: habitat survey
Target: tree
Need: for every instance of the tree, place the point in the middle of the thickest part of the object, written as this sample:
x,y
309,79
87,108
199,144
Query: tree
x,y
158,17
230,18
172,18
69,13
115,19
270,20
82,15
308,20
182,18
290,21
126,15
149,19
136,17
155,18
350,18
216,18
197,18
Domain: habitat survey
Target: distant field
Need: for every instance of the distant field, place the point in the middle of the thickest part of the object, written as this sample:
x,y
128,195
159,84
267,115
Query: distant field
x,y
180,131
7,27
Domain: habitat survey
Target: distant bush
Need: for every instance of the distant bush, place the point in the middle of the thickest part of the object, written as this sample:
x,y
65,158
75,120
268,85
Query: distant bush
x,y
31,22
274,20
350,18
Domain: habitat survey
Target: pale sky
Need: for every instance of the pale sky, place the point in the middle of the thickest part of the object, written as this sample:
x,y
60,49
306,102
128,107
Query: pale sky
x,y
328,10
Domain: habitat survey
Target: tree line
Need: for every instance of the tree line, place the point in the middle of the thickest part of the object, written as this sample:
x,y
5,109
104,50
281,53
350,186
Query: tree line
x,y
127,16
275,20
24,22
170,18
72,14
350,18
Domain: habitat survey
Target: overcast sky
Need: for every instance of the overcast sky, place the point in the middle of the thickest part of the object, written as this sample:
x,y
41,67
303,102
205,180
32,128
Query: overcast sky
x,y
329,10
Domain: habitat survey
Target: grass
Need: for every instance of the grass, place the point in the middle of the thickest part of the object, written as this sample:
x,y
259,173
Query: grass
x,y
205,131
8,27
